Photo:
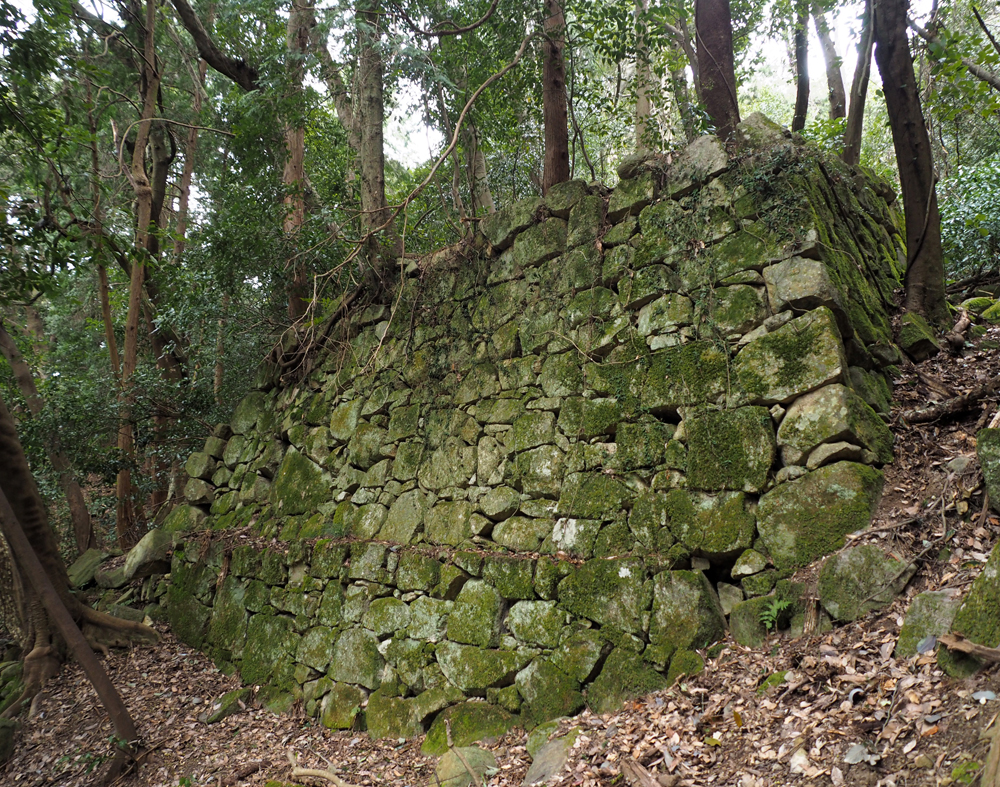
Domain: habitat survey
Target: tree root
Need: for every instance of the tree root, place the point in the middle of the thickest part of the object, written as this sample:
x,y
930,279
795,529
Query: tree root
x,y
105,631
951,406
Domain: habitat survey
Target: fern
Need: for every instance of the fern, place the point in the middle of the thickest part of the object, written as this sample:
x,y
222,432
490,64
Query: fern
x,y
769,615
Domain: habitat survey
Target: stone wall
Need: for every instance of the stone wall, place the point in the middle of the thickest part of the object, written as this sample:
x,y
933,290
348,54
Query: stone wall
x,y
547,471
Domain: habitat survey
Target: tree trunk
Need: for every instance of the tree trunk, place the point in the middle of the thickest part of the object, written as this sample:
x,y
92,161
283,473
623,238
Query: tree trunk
x,y
801,67
64,619
79,514
859,91
300,18
190,149
716,65
127,521
475,164
555,168
925,292
834,82
369,115
643,77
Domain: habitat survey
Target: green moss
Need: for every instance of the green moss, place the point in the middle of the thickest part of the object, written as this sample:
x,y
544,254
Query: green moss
x,y
718,527
772,680
692,374
730,449
512,577
977,619
470,723
624,676
642,444
612,592
684,662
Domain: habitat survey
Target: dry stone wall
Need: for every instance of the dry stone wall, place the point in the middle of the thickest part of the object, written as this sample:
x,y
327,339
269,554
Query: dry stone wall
x,y
552,466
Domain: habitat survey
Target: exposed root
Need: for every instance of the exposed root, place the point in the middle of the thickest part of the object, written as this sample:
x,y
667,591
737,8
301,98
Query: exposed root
x,y
105,631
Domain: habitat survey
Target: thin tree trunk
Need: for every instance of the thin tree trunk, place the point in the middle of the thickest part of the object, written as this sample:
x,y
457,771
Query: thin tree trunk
x,y
127,519
475,162
293,177
643,76
219,347
190,149
716,66
369,115
801,67
924,281
678,82
834,81
555,168
859,90
79,514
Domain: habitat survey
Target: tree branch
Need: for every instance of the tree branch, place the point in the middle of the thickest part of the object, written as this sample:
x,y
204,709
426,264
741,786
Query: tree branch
x,y
453,30
974,68
237,69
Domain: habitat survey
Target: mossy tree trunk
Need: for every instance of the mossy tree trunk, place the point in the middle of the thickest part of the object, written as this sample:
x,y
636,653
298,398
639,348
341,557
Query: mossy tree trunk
x,y
554,107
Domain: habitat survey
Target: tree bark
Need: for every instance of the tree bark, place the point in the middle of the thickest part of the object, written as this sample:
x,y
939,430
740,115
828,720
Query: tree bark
x,y
716,64
190,150
924,281
555,168
236,69
475,163
859,90
83,530
801,67
834,81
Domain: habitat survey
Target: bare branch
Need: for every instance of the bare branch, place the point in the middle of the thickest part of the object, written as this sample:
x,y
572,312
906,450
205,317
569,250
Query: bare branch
x,y
452,28
974,68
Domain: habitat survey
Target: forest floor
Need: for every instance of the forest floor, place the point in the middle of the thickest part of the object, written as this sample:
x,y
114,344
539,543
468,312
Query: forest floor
x,y
915,726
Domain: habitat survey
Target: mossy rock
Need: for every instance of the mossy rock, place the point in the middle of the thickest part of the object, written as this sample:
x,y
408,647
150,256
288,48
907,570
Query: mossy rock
x,y
916,337
471,722
356,659
341,706
592,496
686,613
831,414
805,519
536,623
729,449
474,669
929,614
608,592
270,642
988,451
188,619
391,716
453,771
300,485
859,580
184,519
803,354
475,618
624,676
228,626
717,527
976,619
248,412
548,692
684,662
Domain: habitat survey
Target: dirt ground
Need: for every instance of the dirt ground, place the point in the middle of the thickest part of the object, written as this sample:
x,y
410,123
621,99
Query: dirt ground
x,y
909,724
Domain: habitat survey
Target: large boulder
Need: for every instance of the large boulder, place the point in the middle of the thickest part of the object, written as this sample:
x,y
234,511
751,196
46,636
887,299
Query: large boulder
x,y
803,520
150,556
988,450
930,615
976,619
729,449
686,614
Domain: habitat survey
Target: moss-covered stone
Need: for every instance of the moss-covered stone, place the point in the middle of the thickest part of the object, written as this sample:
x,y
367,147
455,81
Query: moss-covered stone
x,y
800,356
624,676
184,519
536,622
976,619
608,592
916,337
341,706
471,722
188,619
300,485
988,451
591,496
717,527
631,196
692,374
386,616
228,626
454,771
929,614
405,517
473,669
417,572
809,517
540,242
729,449
502,227
449,522
270,643
649,521
548,692
475,619
859,580
247,412
831,414
686,613
428,618
512,577
522,533
356,659
684,662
